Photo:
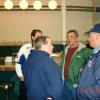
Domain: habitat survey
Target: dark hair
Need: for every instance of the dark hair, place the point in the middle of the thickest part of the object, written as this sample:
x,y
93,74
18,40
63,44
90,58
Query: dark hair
x,y
74,31
39,41
33,33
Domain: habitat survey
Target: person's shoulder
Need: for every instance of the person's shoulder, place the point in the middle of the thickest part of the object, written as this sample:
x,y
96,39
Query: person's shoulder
x,y
81,45
83,48
86,49
66,47
24,48
26,45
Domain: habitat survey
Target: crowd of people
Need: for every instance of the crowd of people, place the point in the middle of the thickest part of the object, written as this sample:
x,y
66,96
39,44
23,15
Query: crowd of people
x,y
77,78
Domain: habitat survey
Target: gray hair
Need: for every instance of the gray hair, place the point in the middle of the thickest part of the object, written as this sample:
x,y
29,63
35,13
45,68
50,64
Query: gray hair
x,y
39,41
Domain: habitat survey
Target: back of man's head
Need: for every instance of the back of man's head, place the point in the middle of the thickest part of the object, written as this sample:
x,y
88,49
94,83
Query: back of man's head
x,y
39,41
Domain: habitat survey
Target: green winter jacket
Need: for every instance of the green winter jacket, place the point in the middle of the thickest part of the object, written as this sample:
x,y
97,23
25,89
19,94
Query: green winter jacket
x,y
78,60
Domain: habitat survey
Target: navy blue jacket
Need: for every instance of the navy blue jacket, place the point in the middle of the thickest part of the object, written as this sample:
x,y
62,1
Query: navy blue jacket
x,y
89,85
42,77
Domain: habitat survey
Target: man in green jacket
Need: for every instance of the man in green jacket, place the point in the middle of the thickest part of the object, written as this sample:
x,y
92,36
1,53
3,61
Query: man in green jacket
x,y
74,57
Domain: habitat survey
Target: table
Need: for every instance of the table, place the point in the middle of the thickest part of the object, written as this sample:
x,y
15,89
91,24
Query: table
x,y
8,67
8,77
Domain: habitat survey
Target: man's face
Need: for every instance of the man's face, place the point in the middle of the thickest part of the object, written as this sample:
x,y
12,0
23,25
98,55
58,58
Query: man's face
x,y
94,39
48,47
38,34
71,38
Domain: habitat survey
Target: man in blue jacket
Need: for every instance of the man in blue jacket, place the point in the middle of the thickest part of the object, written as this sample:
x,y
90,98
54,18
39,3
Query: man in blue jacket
x,y
89,85
42,77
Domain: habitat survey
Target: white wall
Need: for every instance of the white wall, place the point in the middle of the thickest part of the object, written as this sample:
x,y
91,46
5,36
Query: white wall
x,y
81,21
79,2
17,25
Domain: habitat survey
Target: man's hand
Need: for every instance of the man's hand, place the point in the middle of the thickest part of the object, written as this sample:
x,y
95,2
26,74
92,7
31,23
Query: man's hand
x,y
21,78
49,98
81,69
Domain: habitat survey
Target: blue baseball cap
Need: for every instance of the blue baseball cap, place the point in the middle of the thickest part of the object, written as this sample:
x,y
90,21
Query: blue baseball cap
x,y
95,28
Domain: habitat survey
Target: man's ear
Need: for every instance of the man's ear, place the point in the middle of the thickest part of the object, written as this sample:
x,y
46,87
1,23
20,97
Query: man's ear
x,y
32,37
42,46
77,39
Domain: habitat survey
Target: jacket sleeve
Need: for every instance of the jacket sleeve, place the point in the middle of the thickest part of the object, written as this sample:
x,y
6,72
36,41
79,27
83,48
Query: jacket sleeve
x,y
97,78
18,70
55,89
17,63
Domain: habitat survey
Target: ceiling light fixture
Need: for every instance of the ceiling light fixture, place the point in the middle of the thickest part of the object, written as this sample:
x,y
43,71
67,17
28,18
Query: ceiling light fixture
x,y
37,5
52,4
23,4
8,4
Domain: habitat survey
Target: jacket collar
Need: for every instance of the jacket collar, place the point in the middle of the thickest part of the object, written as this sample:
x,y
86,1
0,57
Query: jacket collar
x,y
80,46
95,50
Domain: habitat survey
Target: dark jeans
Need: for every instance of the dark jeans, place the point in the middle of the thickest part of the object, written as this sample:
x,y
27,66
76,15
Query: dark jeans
x,y
74,91
70,93
22,90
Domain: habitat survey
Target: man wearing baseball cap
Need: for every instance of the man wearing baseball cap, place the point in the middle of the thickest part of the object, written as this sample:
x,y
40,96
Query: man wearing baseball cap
x,y
89,85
